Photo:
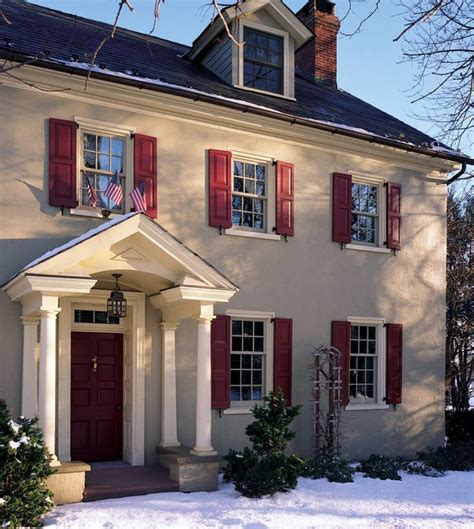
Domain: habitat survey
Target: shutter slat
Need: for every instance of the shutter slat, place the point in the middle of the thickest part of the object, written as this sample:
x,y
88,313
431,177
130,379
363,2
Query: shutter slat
x,y
394,363
62,163
220,362
220,188
341,207
285,199
394,216
282,361
340,339
145,170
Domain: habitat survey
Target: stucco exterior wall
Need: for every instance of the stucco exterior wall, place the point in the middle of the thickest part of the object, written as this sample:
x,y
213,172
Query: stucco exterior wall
x,y
308,278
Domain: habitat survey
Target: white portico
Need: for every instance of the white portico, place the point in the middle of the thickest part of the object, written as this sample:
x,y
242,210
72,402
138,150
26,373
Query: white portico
x,y
77,277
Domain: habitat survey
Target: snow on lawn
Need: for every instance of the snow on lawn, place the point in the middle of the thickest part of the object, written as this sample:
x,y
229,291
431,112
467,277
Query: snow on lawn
x,y
416,501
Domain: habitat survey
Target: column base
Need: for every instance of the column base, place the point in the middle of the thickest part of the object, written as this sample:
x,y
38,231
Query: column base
x,y
55,461
169,444
203,452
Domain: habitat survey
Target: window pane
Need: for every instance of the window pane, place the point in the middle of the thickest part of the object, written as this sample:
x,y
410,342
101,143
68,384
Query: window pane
x,y
236,327
258,206
235,361
103,144
257,377
260,172
257,361
104,162
250,170
258,222
236,218
257,394
234,393
238,185
247,360
248,344
238,169
117,164
258,344
248,206
248,328
236,343
89,142
250,186
246,393
235,377
248,221
117,147
258,328
89,159
246,377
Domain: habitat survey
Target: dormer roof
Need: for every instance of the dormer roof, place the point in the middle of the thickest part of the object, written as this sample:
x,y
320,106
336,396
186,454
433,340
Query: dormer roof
x,y
276,8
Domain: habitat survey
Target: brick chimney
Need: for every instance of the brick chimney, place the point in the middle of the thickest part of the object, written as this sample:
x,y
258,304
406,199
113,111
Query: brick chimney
x,y
318,57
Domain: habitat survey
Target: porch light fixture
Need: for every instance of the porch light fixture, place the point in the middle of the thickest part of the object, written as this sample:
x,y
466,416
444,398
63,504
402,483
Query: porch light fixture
x,y
116,304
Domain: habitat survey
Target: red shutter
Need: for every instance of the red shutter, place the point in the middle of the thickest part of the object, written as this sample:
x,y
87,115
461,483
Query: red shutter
x,y
394,216
62,163
394,363
340,339
285,199
341,207
282,363
220,362
220,188
145,170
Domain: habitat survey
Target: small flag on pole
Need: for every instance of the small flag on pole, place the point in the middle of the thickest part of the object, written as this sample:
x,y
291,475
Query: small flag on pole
x,y
138,198
114,190
91,195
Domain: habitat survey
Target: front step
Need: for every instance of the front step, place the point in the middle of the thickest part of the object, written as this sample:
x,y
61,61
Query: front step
x,y
192,473
106,483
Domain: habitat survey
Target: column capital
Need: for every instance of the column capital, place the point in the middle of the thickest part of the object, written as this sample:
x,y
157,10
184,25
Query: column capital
x,y
167,326
49,313
204,319
30,320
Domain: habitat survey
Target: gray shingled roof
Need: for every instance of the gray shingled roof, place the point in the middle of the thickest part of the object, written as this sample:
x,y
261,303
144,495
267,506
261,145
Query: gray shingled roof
x,y
68,42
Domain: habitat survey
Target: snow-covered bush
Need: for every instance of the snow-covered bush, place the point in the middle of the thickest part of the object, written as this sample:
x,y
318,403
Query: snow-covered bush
x,y
380,467
330,467
24,466
264,469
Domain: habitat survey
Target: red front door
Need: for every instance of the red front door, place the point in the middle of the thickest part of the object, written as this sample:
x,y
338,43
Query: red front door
x,y
96,396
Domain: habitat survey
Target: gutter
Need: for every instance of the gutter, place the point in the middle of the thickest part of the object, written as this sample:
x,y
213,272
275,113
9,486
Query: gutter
x,y
457,175
288,118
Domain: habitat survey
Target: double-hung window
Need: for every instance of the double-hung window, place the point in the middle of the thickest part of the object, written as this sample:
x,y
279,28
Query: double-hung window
x,y
102,159
249,195
367,362
263,61
366,201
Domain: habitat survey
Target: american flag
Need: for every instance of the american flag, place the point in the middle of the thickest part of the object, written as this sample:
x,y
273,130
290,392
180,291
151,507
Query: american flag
x,y
91,195
138,197
114,190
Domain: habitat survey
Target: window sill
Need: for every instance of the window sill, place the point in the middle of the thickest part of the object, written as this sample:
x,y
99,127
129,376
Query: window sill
x,y
252,234
265,92
237,411
358,407
94,214
376,249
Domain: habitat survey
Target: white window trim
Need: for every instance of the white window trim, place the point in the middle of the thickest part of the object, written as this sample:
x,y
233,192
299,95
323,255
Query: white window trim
x,y
270,183
103,127
95,327
379,403
244,407
366,178
286,59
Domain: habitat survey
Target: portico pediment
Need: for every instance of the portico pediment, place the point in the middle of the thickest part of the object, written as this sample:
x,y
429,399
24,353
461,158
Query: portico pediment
x,y
149,258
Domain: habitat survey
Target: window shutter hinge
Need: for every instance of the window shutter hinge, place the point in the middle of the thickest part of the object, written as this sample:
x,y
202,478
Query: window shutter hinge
x,y
132,135
385,325
220,229
385,184
62,210
273,320
385,243
285,236
274,229
77,125
220,413
274,162
343,245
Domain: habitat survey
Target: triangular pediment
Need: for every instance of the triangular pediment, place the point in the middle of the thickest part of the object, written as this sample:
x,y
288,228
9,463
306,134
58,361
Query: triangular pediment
x,y
149,258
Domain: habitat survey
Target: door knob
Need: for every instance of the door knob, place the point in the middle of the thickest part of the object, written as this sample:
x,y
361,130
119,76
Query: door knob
x,y
94,364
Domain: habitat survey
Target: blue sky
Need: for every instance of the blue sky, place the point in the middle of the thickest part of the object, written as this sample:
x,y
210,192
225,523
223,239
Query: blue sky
x,y
370,65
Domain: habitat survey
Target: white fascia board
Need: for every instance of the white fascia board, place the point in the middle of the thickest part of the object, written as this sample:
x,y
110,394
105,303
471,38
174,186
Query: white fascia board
x,y
187,293
26,284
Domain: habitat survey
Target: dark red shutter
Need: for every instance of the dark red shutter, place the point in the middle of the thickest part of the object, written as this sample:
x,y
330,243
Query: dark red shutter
x,y
62,163
145,170
220,188
394,216
220,362
341,207
282,363
340,339
394,363
285,199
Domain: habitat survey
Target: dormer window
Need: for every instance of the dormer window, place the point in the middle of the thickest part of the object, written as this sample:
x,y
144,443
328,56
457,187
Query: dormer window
x,y
263,61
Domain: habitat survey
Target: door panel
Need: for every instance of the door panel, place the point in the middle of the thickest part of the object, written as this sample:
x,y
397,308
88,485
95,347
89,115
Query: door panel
x,y
96,396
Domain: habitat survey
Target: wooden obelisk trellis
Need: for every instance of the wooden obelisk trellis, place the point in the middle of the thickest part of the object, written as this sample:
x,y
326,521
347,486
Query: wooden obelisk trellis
x,y
326,384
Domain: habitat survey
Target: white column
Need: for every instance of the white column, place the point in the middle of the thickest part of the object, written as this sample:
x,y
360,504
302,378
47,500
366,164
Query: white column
x,y
169,435
29,382
47,378
203,389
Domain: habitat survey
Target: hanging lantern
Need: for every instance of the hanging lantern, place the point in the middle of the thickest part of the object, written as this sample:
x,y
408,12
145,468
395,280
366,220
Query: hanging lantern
x,y
116,304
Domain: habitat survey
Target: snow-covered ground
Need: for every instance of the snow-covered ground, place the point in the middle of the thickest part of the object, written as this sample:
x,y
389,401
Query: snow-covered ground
x,y
416,501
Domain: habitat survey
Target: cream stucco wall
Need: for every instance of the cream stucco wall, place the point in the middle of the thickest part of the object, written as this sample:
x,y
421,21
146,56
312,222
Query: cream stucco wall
x,y
308,278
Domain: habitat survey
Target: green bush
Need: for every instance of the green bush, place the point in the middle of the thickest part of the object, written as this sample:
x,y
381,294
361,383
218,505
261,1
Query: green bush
x,y
459,456
380,467
24,466
460,426
330,467
264,469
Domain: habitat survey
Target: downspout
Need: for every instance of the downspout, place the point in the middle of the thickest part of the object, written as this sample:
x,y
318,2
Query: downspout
x,y
457,175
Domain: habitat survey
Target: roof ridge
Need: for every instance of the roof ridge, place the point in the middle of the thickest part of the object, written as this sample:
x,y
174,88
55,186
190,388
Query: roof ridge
x,y
48,11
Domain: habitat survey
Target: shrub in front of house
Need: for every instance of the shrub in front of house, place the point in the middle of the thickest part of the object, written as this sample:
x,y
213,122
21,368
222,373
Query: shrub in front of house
x,y
380,467
459,456
460,426
264,469
330,467
24,467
